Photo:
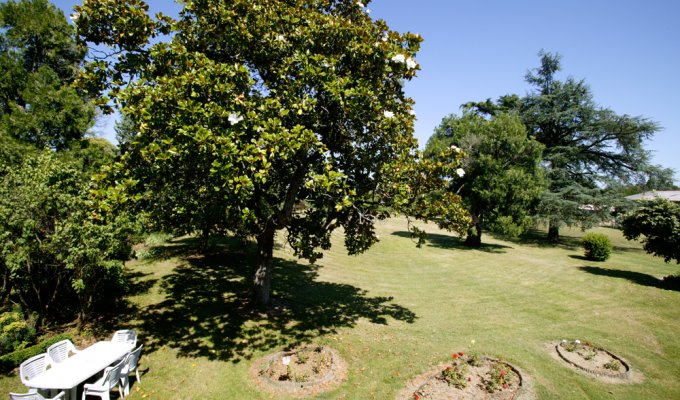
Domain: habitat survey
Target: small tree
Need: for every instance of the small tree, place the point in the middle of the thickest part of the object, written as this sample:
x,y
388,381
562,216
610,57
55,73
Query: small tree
x,y
658,223
501,178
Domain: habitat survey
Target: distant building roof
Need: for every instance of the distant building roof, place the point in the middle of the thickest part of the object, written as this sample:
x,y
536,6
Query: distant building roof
x,y
672,195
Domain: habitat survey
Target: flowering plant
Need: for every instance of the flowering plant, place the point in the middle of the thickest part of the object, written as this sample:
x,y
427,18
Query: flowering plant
x,y
456,374
498,378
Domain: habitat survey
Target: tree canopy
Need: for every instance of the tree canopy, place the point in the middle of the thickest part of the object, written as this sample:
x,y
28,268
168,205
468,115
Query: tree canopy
x,y
501,176
39,59
260,116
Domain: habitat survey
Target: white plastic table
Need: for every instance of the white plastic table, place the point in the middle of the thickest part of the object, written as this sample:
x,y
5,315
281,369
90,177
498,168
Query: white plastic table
x,y
68,374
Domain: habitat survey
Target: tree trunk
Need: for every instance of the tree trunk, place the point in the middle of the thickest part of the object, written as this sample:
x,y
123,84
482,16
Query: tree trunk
x,y
474,234
263,274
553,232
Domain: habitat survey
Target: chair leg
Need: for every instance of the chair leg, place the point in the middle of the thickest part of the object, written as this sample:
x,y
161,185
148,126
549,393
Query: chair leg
x,y
124,384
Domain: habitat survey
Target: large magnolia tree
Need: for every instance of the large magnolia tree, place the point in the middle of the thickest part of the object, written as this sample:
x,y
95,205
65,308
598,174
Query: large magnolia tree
x,y
262,115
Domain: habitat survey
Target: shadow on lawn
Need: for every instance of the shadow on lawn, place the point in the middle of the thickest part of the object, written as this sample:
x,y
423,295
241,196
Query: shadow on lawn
x,y
453,242
635,277
206,311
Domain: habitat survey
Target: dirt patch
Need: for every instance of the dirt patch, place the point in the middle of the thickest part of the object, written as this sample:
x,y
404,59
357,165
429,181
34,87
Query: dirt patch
x,y
594,361
469,378
300,372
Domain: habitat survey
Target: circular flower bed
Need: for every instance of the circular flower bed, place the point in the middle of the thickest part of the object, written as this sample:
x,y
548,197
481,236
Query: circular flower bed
x,y
592,359
468,377
300,372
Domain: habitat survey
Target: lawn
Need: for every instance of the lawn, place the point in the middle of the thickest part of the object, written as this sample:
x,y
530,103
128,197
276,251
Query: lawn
x,y
397,310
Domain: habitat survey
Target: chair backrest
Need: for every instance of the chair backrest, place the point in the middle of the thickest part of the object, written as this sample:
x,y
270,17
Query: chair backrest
x,y
25,396
58,352
133,358
112,374
32,367
126,335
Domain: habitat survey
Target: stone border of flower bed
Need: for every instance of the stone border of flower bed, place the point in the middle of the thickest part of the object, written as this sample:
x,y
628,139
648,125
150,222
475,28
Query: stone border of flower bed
x,y
524,392
616,375
336,375
629,376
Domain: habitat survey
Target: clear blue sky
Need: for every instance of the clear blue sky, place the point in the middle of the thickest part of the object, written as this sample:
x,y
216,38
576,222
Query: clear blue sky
x,y
627,51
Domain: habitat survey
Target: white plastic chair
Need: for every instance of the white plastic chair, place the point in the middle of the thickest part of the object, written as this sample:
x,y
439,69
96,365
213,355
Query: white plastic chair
x,y
103,386
128,368
60,351
32,367
34,396
125,336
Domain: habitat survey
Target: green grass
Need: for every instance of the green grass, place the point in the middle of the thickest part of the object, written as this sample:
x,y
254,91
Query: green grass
x,y
397,310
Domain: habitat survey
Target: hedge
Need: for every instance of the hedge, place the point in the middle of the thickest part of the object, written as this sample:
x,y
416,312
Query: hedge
x,y
14,359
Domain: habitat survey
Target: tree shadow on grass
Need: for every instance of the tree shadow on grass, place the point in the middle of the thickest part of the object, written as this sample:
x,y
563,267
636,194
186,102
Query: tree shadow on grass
x,y
206,312
453,242
632,276
537,237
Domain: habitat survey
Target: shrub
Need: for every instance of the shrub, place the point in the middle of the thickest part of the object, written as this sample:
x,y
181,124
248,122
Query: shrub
x,y
15,332
12,360
597,246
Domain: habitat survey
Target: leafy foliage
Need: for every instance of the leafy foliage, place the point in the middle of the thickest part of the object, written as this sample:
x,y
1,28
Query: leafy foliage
x,y
597,246
259,116
658,223
502,178
39,59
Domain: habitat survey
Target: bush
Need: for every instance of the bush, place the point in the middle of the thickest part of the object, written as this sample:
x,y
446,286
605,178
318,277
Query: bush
x,y
597,246
13,360
15,332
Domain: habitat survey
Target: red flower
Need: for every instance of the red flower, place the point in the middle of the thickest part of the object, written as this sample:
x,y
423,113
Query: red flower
x,y
469,379
505,386
502,372
460,353
455,356
415,396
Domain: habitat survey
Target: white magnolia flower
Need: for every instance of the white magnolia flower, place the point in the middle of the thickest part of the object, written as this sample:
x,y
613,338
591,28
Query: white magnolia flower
x,y
455,148
460,172
368,11
399,58
74,17
360,4
235,118
285,360
412,112
410,63
388,114
280,38
384,37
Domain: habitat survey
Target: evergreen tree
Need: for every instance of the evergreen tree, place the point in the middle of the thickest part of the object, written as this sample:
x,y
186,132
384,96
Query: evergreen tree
x,y
587,147
39,60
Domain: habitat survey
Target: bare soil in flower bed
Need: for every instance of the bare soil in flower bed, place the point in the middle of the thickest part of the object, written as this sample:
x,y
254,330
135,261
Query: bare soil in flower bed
x,y
595,361
475,382
300,372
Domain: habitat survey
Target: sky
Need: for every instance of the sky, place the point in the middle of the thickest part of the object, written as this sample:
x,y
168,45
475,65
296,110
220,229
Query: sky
x,y
627,51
